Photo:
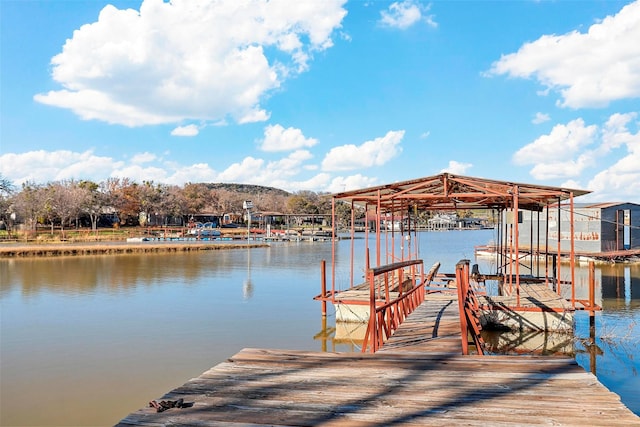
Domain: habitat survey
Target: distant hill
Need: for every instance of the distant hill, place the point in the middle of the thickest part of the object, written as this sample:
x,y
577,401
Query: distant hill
x,y
248,189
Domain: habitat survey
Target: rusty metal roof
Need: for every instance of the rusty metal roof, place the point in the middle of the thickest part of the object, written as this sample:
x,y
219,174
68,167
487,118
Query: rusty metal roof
x,y
449,192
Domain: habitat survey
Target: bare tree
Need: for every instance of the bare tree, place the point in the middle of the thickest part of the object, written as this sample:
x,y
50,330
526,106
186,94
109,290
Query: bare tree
x,y
6,196
150,199
64,202
29,204
124,199
92,201
195,196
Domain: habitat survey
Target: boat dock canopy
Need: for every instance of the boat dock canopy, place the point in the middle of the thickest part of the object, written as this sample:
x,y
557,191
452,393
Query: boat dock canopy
x,y
448,192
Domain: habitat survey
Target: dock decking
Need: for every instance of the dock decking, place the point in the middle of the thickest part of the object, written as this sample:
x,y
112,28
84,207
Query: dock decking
x,y
259,387
539,308
434,327
418,378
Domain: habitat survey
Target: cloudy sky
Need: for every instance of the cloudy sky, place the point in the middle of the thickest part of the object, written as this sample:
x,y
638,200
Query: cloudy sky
x,y
322,95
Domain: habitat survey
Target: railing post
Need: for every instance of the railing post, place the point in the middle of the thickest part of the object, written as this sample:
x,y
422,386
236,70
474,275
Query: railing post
x,y
462,296
373,330
592,288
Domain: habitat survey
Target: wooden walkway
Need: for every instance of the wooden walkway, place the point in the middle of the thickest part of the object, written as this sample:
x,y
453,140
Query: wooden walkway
x,y
434,327
418,378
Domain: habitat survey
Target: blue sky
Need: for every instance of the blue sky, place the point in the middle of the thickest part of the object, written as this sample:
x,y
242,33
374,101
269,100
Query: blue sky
x,y
322,95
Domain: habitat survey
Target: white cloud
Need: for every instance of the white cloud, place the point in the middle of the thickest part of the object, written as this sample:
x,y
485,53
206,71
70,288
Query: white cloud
x,y
188,60
406,13
616,133
371,153
614,184
189,130
563,169
540,118
347,183
145,157
45,166
244,171
457,167
588,69
277,138
139,174
315,183
621,180
571,150
561,144
274,173
198,172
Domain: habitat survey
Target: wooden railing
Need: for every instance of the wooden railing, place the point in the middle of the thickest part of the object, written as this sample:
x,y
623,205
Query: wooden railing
x,y
386,317
469,309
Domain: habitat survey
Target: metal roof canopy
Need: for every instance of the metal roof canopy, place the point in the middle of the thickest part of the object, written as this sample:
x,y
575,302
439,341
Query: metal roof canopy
x,y
450,192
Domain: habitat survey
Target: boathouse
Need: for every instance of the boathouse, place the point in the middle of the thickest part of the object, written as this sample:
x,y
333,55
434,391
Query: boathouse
x,y
520,302
597,228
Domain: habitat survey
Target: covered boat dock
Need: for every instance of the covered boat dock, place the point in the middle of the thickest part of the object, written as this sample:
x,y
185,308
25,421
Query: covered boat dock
x,y
538,302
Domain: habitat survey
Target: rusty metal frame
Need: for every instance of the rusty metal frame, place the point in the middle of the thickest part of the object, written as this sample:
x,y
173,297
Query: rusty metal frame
x,y
455,192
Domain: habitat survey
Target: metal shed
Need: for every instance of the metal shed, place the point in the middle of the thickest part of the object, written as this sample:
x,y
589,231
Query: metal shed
x,y
598,227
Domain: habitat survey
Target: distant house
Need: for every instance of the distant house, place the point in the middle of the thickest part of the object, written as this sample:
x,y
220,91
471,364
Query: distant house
x,y
598,227
443,221
449,221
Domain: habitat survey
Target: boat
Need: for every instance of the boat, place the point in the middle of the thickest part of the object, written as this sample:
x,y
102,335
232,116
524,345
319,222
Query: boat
x,y
204,230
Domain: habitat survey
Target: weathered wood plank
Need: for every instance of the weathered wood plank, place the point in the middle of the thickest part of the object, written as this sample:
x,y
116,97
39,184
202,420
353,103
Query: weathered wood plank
x,y
272,387
418,378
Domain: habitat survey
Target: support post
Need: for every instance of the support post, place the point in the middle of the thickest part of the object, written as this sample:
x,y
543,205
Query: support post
x,y
323,279
592,288
333,246
353,235
558,277
516,221
378,237
573,252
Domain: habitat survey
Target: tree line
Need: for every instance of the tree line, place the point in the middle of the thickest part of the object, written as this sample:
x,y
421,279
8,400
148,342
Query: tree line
x,y
124,202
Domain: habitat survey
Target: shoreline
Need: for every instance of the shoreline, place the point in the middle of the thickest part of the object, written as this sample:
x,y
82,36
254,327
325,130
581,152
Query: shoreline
x,y
116,248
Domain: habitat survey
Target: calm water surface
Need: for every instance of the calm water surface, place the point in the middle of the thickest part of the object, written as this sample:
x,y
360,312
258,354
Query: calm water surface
x,y
86,340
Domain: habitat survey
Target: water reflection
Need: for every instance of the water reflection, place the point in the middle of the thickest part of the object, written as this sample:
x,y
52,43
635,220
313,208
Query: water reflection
x,y
247,285
529,342
91,339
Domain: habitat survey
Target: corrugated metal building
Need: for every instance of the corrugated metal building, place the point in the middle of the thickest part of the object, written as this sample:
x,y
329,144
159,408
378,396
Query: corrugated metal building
x,y
600,227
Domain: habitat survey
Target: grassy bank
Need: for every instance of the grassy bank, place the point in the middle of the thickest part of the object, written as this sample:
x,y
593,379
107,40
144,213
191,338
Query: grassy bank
x,y
114,248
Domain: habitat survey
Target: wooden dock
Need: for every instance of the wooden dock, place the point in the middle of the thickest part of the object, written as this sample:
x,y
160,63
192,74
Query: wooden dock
x,y
418,378
538,308
434,327
259,387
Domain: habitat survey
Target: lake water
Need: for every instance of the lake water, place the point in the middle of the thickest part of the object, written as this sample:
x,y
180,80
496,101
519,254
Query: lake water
x,y
87,340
